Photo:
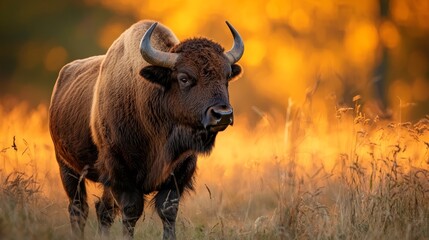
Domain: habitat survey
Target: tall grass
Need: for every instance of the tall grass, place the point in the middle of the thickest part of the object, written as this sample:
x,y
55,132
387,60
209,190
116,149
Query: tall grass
x,y
299,176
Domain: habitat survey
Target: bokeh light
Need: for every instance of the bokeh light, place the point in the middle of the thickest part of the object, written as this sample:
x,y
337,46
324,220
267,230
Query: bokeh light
x,y
289,44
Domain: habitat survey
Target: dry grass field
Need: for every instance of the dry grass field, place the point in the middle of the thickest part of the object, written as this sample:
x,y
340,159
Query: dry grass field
x,y
300,176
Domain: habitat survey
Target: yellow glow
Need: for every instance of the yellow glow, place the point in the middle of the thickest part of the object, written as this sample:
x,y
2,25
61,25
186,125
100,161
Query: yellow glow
x,y
300,21
328,63
417,64
286,62
325,7
159,7
278,9
422,13
294,34
400,10
182,23
420,89
30,129
273,10
400,89
109,33
257,49
55,58
389,34
251,16
361,41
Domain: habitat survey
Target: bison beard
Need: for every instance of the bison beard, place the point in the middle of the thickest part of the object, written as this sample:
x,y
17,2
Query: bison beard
x,y
183,138
183,142
136,119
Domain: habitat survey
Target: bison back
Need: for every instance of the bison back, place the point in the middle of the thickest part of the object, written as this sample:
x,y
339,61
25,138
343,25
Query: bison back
x,y
69,113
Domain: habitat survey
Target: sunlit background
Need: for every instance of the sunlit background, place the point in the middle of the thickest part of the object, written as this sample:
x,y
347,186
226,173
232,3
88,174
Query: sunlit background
x,y
334,96
376,49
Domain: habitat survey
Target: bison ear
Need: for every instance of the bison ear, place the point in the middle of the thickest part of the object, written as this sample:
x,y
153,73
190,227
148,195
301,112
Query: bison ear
x,y
236,72
156,74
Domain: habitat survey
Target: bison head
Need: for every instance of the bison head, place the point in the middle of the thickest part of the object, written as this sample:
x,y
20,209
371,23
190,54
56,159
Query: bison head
x,y
195,76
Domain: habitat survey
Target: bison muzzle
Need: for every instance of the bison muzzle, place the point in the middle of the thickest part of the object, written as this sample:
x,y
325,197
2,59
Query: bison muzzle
x,y
135,120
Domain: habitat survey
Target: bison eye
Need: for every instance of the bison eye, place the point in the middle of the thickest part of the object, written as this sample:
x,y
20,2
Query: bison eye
x,y
184,79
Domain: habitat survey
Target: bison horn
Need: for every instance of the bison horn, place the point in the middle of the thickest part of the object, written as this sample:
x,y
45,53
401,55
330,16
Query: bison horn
x,y
237,49
154,56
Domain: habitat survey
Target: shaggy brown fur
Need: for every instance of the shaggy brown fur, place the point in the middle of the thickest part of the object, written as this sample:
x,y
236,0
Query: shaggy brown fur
x,y
135,127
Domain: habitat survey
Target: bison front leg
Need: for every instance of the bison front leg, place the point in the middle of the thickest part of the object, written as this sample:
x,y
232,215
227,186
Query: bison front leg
x,y
131,204
167,199
106,211
167,205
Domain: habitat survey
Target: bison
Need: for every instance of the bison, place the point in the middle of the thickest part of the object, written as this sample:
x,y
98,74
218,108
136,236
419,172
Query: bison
x,y
135,120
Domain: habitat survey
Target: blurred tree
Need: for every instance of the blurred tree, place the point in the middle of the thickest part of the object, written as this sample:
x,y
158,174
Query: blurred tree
x,y
406,38
38,37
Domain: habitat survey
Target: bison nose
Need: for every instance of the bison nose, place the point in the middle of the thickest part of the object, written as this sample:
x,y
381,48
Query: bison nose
x,y
218,118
